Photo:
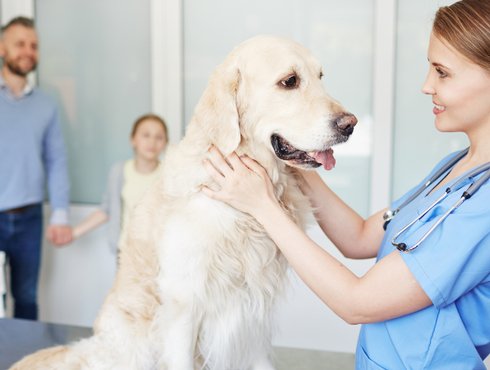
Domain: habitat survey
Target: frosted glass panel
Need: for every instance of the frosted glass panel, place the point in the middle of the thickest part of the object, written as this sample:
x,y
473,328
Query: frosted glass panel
x,y
95,59
418,146
339,33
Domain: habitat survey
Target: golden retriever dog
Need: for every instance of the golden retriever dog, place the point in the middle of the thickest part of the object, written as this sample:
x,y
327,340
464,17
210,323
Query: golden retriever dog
x,y
197,279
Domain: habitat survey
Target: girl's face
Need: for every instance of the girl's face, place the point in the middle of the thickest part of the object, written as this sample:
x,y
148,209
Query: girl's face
x,y
149,140
460,90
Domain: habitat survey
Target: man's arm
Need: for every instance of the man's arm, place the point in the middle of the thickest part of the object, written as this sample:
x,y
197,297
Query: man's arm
x,y
55,161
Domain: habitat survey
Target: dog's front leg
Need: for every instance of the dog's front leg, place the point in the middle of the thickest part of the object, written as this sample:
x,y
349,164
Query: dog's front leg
x,y
177,332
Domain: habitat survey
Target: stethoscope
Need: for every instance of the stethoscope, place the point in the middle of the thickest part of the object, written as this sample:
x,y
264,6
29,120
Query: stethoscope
x,y
468,193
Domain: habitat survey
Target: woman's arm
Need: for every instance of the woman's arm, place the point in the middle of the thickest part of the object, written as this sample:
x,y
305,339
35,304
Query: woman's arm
x,y
353,235
386,291
92,221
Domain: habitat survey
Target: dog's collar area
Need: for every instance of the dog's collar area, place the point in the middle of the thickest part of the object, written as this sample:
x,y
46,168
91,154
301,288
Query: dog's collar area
x,y
285,151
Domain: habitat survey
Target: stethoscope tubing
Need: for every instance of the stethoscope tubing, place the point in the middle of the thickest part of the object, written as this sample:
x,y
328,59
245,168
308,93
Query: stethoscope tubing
x,y
391,213
468,193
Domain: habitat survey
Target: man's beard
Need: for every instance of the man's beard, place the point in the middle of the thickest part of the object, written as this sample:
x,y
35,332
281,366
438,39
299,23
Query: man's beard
x,y
16,69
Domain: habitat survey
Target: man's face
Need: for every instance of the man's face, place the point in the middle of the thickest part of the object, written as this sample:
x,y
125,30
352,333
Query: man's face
x,y
18,48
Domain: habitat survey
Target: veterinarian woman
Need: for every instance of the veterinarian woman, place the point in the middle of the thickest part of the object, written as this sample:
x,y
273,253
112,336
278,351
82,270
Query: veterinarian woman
x,y
425,304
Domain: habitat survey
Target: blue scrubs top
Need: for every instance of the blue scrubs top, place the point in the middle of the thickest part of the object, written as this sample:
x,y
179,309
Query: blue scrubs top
x,y
453,267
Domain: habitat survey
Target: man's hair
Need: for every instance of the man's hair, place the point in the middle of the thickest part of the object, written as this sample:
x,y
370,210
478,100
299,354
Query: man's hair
x,y
18,21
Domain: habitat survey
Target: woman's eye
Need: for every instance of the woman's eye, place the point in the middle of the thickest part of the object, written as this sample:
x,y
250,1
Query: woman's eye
x,y
290,82
441,73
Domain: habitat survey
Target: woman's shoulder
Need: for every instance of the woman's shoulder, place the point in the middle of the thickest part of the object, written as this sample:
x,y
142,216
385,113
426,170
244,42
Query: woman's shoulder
x,y
478,203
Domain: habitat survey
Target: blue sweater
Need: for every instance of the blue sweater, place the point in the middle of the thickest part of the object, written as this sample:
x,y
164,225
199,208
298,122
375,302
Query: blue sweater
x,y
32,153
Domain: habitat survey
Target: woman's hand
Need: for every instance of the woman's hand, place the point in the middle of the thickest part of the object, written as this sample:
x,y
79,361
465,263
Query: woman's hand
x,y
243,183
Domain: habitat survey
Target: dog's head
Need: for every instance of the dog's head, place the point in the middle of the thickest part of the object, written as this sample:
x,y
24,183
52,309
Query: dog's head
x,y
268,94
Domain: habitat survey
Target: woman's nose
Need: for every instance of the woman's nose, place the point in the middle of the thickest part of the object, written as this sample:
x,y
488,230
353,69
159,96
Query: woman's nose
x,y
427,87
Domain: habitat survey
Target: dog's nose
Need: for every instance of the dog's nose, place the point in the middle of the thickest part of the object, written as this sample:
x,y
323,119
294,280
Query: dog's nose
x,y
345,123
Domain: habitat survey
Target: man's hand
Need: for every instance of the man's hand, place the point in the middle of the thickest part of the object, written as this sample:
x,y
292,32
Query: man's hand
x,y
59,235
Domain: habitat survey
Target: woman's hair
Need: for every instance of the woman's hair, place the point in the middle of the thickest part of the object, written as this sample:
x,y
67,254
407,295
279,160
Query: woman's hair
x,y
152,117
465,25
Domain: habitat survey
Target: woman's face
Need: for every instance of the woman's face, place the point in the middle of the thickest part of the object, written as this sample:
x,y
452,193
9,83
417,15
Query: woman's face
x,y
460,90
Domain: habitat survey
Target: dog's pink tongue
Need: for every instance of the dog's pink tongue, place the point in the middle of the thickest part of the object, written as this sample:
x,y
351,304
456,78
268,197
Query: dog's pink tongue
x,y
326,158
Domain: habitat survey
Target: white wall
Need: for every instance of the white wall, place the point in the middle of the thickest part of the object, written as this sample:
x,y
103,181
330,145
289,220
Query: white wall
x,y
75,279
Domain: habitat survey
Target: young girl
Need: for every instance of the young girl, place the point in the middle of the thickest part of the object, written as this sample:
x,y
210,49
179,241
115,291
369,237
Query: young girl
x,y
129,180
425,304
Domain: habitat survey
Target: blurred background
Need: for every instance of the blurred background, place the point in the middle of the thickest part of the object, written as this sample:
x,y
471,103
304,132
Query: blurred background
x,y
109,61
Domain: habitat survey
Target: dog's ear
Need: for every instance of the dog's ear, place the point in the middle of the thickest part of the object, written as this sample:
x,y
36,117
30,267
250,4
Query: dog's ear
x,y
217,111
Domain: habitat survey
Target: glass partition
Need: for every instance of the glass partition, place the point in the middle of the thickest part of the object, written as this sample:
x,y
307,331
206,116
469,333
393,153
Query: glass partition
x,y
95,59
329,29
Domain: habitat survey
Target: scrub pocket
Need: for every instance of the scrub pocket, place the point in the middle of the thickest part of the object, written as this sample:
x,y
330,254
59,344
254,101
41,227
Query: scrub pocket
x,y
434,213
363,362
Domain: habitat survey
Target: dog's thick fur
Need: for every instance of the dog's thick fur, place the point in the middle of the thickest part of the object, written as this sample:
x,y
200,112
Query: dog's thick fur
x,y
197,279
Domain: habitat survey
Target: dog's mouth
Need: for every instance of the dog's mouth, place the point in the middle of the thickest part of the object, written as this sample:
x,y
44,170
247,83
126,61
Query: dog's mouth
x,y
287,152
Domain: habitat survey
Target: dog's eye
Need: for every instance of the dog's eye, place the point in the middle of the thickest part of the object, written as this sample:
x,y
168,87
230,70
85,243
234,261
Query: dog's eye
x,y
290,82
321,75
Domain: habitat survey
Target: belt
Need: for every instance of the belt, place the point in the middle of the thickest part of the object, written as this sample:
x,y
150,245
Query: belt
x,y
15,211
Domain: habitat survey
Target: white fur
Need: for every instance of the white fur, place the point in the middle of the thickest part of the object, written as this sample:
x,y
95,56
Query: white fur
x,y
198,280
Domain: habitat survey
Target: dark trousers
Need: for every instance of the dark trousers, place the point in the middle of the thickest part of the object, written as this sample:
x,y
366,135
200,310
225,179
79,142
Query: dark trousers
x,y
20,239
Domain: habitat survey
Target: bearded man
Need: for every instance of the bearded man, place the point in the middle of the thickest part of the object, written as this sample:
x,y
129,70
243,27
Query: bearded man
x,y
32,157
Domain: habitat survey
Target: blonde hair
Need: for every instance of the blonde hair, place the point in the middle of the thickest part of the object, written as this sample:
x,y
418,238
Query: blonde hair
x,y
153,117
465,25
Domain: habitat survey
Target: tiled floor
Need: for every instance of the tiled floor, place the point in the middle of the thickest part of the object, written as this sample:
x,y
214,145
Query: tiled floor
x,y
21,337
302,359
